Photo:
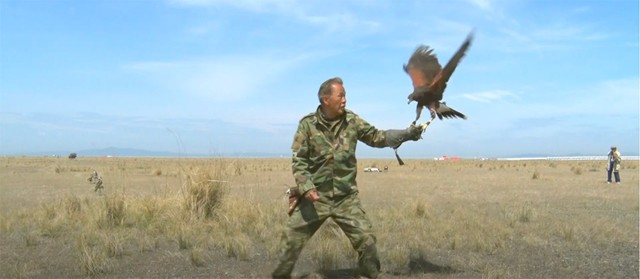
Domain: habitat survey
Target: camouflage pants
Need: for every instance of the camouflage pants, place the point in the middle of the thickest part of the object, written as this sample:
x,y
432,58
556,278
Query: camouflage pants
x,y
347,213
98,186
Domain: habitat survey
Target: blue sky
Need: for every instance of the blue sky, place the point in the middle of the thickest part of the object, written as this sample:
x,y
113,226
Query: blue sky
x,y
224,76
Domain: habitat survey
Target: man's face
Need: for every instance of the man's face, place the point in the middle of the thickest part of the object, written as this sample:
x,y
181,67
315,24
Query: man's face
x,y
336,102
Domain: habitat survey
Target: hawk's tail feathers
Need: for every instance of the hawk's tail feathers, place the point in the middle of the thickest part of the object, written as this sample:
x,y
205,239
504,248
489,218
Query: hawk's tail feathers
x,y
445,111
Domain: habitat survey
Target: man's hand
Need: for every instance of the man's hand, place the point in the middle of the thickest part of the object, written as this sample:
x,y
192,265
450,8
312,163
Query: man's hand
x,y
312,195
415,132
396,137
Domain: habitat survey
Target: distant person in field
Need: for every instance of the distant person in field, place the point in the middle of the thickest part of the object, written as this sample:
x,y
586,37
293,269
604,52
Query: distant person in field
x,y
615,159
324,168
96,179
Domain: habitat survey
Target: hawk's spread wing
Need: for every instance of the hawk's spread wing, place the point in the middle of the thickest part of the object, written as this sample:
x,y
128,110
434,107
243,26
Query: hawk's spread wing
x,y
453,63
423,66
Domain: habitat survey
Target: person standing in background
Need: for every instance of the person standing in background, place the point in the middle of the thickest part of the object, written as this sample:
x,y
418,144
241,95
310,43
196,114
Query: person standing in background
x,y
614,158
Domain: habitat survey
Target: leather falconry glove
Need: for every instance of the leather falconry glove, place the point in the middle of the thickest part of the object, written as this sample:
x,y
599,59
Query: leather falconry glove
x,y
395,138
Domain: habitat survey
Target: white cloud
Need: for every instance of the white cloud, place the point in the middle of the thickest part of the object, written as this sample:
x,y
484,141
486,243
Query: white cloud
x,y
549,37
565,32
488,97
251,5
527,33
610,96
220,78
485,5
340,21
302,11
205,28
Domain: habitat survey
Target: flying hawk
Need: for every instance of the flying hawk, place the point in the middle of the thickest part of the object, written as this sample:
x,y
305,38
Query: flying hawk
x,y
430,80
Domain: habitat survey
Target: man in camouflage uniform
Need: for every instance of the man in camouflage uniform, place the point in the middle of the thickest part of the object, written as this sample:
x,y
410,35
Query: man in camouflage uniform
x,y
97,180
614,158
325,168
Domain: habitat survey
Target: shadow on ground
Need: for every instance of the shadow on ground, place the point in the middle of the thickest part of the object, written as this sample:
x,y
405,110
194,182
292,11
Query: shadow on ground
x,y
345,273
418,264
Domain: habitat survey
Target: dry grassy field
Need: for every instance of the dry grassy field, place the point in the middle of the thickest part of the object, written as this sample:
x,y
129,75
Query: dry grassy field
x,y
222,218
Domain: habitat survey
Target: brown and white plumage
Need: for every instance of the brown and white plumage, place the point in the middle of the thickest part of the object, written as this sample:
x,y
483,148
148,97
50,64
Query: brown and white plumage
x,y
430,80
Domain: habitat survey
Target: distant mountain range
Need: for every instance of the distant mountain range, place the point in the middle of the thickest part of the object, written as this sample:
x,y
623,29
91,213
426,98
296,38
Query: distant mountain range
x,y
133,152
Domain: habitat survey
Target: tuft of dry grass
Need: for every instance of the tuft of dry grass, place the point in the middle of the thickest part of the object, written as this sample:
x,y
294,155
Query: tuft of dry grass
x,y
198,257
238,246
115,210
31,238
420,209
114,244
536,175
330,249
577,170
19,271
185,236
204,191
93,261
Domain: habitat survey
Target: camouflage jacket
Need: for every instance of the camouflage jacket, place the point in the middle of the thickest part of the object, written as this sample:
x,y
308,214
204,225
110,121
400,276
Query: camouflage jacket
x,y
324,154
